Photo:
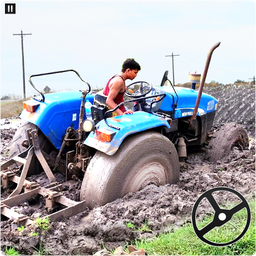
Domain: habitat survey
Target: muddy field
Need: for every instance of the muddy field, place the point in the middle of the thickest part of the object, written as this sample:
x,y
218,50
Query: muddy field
x,y
160,209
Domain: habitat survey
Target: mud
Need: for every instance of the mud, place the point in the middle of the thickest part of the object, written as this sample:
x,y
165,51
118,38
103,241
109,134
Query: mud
x,y
152,210
236,103
8,129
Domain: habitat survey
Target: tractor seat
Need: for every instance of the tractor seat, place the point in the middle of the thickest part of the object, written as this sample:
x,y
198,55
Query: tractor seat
x,y
100,99
99,107
156,105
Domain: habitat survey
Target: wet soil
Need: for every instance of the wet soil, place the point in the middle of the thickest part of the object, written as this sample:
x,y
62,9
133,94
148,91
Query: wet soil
x,y
157,209
236,103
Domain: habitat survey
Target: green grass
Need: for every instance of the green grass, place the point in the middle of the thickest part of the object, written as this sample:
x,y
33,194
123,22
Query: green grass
x,y
11,109
185,242
11,251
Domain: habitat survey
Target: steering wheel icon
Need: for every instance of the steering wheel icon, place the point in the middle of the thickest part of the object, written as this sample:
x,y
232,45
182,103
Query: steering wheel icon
x,y
221,216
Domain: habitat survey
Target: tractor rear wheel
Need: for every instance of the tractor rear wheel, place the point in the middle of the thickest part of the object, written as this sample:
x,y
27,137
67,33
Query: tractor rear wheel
x,y
17,147
225,139
142,159
20,135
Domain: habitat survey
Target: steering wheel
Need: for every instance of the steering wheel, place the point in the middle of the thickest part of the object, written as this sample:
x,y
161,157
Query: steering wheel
x,y
144,88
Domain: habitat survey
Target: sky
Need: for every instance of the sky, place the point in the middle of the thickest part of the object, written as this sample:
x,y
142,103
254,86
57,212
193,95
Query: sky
x,y
95,37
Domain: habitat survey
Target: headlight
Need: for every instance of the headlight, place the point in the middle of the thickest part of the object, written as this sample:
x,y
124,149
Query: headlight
x,y
88,125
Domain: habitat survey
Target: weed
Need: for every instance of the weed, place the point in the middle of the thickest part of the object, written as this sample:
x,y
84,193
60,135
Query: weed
x,y
11,251
43,223
130,225
145,228
41,250
34,234
21,228
43,226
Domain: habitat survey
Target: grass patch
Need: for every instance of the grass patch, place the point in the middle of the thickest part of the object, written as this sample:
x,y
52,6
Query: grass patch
x,y
185,242
11,251
11,109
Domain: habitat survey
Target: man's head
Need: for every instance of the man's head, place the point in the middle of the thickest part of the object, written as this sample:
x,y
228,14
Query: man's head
x,y
131,68
131,64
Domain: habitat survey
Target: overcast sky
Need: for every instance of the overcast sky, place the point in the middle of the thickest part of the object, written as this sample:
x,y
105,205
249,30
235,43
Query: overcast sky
x,y
95,37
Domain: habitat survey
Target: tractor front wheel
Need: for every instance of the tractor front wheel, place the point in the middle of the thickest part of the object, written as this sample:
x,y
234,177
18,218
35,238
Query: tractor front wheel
x,y
142,159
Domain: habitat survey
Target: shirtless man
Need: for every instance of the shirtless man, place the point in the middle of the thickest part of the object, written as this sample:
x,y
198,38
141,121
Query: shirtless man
x,y
115,88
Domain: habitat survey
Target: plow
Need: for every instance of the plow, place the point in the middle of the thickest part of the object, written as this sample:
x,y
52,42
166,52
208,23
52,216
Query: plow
x,y
31,189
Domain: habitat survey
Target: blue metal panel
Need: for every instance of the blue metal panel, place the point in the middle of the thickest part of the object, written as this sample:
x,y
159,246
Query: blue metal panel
x,y
128,124
56,114
186,102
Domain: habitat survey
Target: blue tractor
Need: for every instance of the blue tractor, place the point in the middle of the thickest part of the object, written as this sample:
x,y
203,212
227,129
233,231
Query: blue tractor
x,y
114,155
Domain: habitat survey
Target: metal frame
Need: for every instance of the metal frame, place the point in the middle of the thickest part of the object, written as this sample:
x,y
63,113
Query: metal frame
x,y
51,193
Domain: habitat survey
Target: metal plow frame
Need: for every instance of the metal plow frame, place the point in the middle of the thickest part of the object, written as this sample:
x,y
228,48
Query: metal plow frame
x,y
51,193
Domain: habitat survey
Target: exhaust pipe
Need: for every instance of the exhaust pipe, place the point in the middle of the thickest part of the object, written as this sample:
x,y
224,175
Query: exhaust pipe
x,y
202,82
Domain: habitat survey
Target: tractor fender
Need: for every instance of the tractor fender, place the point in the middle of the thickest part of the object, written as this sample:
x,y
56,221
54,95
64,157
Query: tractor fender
x,y
58,112
125,126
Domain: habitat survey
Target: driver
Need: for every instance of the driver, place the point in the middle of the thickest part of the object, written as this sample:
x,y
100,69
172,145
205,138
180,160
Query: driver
x,y
116,88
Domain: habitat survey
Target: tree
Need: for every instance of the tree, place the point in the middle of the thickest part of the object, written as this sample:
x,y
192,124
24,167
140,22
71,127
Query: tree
x,y
238,81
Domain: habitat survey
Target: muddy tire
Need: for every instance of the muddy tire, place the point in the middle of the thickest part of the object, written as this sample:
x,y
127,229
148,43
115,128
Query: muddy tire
x,y
20,135
16,145
142,159
225,139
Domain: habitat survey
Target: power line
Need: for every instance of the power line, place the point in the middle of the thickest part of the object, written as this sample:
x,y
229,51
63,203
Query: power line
x,y
172,65
253,79
23,66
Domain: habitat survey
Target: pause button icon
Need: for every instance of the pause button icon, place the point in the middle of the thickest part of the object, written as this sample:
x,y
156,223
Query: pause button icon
x,y
10,8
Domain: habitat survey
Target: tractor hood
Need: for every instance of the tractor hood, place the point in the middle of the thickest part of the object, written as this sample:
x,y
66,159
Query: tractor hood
x,y
186,102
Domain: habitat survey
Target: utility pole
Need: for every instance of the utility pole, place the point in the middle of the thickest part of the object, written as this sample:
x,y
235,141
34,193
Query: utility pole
x,y
172,66
253,79
23,66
